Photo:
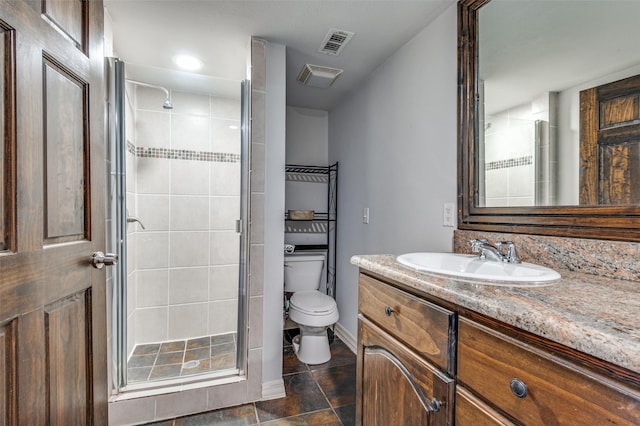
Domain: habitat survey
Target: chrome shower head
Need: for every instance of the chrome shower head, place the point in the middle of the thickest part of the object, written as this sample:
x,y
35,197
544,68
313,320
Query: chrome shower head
x,y
167,103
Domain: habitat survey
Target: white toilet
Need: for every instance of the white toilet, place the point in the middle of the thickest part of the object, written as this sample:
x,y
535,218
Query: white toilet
x,y
311,309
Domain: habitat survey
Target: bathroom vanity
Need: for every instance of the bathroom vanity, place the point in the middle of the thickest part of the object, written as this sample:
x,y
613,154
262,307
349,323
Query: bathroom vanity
x,y
436,350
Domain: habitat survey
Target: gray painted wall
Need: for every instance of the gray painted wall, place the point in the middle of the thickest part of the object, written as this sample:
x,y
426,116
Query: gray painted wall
x,y
307,136
395,139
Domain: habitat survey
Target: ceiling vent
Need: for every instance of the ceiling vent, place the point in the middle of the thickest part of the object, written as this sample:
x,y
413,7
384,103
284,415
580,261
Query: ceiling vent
x,y
317,76
335,41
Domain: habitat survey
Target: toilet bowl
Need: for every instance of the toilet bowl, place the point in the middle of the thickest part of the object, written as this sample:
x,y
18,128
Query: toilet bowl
x,y
312,310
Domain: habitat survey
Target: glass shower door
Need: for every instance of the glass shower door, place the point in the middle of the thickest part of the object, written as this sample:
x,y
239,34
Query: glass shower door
x,y
179,292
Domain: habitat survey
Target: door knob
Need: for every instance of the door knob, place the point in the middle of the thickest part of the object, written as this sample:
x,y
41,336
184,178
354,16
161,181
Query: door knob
x,y
99,259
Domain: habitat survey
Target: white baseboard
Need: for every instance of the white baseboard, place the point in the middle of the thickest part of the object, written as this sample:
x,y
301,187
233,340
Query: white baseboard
x,y
346,337
273,390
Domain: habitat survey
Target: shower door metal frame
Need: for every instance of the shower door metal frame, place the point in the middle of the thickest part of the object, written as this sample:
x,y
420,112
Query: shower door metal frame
x,y
243,227
118,208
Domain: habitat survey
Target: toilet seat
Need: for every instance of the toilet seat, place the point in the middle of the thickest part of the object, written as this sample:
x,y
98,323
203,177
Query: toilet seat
x,y
313,302
313,308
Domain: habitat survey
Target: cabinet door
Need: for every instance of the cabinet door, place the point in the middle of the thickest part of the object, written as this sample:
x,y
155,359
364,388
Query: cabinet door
x,y
396,387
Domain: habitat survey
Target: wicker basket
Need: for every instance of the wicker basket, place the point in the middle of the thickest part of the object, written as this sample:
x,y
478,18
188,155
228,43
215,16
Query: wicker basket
x,y
301,214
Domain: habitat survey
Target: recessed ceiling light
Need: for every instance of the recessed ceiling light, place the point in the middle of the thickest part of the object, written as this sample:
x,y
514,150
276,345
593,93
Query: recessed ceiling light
x,y
187,62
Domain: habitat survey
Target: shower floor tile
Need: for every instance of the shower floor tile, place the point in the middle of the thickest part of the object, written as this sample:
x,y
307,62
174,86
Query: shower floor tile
x,y
165,360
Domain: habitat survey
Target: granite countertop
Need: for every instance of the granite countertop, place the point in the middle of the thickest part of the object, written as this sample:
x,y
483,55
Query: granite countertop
x,y
596,315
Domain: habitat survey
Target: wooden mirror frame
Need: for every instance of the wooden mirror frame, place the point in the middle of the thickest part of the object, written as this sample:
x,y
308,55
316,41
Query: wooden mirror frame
x,y
603,222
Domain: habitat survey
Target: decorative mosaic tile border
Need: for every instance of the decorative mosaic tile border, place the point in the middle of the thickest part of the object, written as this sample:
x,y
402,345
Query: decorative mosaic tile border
x,y
182,154
511,162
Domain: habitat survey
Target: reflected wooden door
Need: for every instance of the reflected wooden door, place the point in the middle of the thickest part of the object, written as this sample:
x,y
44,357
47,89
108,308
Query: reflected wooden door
x,y
53,357
610,143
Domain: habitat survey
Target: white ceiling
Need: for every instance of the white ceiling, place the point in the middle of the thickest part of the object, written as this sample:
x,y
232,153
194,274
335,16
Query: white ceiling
x,y
531,47
148,33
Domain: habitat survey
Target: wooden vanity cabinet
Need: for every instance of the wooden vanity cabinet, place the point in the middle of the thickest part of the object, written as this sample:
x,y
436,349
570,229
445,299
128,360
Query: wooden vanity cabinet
x,y
419,363
403,355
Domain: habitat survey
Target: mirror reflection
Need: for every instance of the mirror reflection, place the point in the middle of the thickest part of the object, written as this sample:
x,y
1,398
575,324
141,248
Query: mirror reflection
x,y
551,130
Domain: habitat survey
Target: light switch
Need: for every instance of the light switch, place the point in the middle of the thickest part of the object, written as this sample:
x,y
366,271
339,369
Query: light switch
x,y
448,214
365,215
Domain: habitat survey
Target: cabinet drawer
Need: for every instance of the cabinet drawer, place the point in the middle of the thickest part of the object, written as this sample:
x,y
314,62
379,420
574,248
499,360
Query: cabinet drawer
x,y
471,411
554,390
419,324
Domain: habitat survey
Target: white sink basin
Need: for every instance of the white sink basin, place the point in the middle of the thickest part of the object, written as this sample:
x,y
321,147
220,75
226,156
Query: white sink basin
x,y
471,267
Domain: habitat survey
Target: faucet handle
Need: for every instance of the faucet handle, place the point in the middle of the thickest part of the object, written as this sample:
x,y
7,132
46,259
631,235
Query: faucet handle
x,y
476,244
512,254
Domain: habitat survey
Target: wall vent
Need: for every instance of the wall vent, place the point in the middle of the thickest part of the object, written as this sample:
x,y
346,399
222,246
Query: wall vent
x,y
317,76
335,41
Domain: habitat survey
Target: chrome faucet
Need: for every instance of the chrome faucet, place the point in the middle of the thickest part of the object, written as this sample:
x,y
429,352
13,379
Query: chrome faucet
x,y
487,250
502,251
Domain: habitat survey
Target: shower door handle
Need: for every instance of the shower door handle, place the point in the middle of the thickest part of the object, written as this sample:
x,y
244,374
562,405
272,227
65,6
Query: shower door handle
x,y
99,259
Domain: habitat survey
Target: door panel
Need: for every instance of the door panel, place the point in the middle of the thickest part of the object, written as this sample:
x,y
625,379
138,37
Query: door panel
x,y
620,173
67,16
3,148
65,137
7,141
68,334
8,393
53,303
610,143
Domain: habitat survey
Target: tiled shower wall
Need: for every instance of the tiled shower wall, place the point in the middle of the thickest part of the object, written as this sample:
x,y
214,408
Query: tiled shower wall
x,y
183,184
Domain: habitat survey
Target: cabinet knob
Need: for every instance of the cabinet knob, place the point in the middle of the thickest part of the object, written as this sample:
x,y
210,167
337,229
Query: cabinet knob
x,y
518,388
388,311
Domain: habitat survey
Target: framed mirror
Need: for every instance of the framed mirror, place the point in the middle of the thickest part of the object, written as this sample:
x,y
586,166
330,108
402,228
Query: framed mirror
x,y
549,117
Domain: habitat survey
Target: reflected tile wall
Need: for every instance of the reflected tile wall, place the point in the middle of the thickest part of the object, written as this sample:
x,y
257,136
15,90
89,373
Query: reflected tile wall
x,y
518,154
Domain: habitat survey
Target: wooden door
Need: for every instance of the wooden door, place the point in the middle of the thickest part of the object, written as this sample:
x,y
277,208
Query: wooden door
x,y
53,357
610,143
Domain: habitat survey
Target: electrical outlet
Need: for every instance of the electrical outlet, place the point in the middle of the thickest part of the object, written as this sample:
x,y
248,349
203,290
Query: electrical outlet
x,y
448,214
365,215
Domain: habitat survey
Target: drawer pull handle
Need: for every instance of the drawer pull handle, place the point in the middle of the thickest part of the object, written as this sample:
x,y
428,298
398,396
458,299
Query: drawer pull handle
x,y
518,388
388,311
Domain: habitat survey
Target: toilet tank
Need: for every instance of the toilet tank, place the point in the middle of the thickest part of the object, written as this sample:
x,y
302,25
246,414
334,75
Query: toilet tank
x,y
303,271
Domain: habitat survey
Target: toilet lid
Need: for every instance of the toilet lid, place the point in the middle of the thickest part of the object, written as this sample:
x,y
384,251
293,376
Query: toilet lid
x,y
312,302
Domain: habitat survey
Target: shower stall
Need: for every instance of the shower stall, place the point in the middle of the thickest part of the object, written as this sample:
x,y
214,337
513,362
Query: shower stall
x,y
179,200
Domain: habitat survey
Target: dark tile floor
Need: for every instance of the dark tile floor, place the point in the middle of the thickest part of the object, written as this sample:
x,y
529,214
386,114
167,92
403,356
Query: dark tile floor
x,y
178,358
317,395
